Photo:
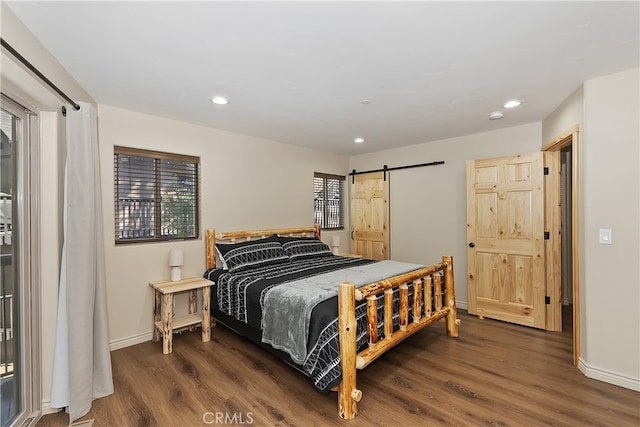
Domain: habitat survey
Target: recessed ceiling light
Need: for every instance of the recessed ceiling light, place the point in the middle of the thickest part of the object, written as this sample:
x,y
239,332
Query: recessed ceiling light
x,y
496,115
219,100
512,104
359,140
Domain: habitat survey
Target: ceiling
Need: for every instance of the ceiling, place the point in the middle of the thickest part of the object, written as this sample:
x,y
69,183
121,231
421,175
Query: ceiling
x,y
298,72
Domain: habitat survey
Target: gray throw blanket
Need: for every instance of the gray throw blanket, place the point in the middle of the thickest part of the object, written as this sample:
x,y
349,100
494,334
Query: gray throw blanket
x,y
286,310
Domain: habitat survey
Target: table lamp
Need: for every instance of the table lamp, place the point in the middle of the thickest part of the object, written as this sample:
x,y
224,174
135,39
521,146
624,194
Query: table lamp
x,y
335,244
176,260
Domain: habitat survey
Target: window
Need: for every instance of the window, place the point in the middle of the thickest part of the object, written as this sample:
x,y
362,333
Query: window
x,y
156,195
328,200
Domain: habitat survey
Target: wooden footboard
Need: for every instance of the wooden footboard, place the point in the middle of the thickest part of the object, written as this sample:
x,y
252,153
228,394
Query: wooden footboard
x,y
427,287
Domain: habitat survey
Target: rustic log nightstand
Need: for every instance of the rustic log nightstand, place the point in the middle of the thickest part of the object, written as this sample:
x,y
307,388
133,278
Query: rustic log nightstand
x,y
163,320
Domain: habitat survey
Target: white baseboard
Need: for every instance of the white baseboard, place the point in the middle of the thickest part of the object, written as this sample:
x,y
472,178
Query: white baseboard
x,y
129,341
608,376
461,304
46,408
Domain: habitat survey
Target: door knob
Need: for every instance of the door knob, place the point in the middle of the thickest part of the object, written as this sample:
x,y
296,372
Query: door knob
x,y
472,245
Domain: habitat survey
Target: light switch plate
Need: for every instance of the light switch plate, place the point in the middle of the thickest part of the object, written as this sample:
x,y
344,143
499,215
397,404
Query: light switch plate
x,y
605,236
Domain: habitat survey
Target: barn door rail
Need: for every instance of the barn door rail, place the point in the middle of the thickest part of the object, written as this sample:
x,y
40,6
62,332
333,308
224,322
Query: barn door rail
x,y
385,169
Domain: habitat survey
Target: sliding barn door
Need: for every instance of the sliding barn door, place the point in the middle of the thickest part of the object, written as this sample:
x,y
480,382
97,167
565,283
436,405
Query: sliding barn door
x,y
370,215
505,237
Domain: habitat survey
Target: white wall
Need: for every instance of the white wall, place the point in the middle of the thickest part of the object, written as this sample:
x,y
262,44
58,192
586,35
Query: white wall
x,y
566,117
428,204
607,113
247,183
50,243
611,281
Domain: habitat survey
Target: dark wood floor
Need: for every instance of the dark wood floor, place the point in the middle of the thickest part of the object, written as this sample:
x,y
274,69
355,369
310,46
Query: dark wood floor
x,y
494,374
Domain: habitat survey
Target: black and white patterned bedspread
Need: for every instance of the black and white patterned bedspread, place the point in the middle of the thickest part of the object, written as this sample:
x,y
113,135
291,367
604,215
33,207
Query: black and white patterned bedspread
x,y
240,295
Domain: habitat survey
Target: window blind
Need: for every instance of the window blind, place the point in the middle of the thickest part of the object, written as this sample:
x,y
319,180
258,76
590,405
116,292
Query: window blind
x,y
328,195
156,195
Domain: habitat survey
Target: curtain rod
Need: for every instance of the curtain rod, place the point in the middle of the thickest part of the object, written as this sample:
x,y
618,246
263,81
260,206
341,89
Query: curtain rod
x,y
385,169
39,74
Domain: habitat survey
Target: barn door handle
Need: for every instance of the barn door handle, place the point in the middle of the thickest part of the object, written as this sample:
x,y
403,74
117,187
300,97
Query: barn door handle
x,y
351,234
472,245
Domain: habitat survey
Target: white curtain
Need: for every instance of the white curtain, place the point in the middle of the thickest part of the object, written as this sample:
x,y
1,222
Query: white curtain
x,y
82,362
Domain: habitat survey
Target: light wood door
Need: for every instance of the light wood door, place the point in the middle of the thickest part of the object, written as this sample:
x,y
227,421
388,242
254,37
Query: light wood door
x,y
370,215
505,237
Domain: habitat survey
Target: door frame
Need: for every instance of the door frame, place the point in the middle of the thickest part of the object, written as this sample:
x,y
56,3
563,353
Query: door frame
x,y
570,138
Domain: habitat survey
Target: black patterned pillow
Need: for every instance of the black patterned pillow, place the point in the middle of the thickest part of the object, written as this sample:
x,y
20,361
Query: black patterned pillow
x,y
252,254
304,247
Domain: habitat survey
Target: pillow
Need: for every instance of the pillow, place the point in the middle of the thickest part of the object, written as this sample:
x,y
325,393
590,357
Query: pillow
x,y
224,264
287,239
250,254
304,247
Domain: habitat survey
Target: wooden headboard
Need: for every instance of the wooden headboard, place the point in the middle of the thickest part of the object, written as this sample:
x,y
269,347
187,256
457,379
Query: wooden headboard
x,y
211,238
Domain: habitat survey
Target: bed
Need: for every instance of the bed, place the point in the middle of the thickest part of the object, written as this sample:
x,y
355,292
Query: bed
x,y
324,314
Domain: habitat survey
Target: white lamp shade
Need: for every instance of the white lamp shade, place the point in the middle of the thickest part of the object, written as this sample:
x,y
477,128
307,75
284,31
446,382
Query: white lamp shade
x,y
176,258
335,245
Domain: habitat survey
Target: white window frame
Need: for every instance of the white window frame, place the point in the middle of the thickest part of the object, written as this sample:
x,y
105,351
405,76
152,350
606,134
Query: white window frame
x,y
27,237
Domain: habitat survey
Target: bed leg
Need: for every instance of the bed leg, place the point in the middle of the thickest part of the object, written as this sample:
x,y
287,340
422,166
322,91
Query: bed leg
x,y
348,394
452,317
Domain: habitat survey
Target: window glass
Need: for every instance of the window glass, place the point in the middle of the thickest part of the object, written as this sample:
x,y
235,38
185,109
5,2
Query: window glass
x,y
156,196
328,198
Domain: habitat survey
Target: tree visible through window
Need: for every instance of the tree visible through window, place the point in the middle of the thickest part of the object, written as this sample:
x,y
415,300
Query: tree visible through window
x,y
328,200
156,195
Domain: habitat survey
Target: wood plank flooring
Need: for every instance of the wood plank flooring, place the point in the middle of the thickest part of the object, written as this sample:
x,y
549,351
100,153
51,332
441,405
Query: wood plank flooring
x,y
494,374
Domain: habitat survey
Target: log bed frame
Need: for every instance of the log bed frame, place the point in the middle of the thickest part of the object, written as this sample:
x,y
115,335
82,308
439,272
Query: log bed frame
x,y
348,296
